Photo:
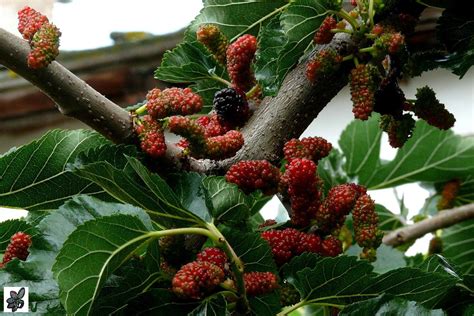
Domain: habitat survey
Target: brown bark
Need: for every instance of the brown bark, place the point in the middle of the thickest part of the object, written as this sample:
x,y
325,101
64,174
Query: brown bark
x,y
444,219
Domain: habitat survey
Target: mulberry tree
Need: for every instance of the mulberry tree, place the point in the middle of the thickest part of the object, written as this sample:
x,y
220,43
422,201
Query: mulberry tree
x,y
124,219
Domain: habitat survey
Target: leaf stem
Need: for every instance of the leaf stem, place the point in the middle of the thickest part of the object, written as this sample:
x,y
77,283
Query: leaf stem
x,y
141,109
341,31
252,91
370,49
348,57
183,231
346,16
236,264
371,13
221,80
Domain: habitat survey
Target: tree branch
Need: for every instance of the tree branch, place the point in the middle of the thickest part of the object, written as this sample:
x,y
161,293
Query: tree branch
x,y
276,120
73,97
287,115
444,219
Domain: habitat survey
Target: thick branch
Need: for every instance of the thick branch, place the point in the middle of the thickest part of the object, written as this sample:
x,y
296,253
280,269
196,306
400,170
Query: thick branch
x,y
444,219
73,97
287,115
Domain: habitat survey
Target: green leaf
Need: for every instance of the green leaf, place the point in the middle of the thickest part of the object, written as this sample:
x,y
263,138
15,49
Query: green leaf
x,y
135,185
459,62
252,249
34,176
101,245
389,305
299,21
213,306
331,171
190,192
236,18
265,305
152,256
121,287
207,89
225,200
431,155
188,62
54,230
388,221
158,302
9,228
438,264
388,258
271,40
343,280
360,143
458,245
455,28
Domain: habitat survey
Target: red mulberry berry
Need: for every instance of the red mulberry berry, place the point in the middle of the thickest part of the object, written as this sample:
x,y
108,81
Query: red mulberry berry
x,y
365,221
225,146
324,34
331,247
428,108
363,86
449,194
259,283
312,148
44,46
29,22
282,243
239,59
251,175
172,101
213,126
152,139
215,256
268,223
324,64
399,130
214,40
231,107
17,248
197,279
341,198
308,243
189,129
389,43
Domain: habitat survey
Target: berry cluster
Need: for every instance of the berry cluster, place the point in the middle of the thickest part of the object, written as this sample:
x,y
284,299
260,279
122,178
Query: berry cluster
x,y
197,279
324,63
251,175
152,139
240,55
312,148
363,84
213,126
29,22
259,283
214,40
288,243
303,187
17,248
365,221
427,107
398,130
42,35
338,203
231,107
172,101
449,194
324,34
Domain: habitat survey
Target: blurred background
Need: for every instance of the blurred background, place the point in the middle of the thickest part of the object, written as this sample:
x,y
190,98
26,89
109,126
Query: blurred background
x,y
116,45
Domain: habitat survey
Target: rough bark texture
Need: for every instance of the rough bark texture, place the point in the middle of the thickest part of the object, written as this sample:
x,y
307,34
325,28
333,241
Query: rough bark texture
x,y
285,116
444,219
73,97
